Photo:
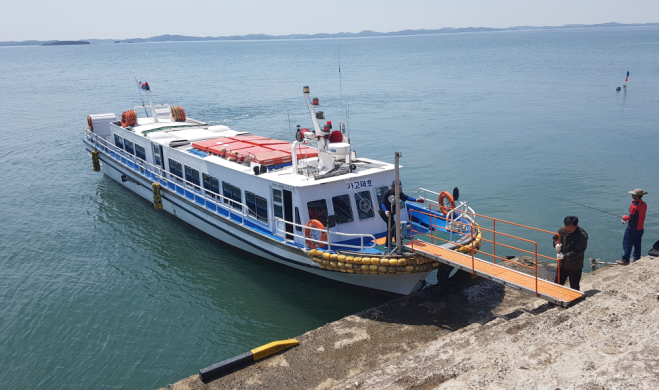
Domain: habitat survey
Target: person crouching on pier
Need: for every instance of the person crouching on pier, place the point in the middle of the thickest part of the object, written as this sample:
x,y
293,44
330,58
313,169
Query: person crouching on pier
x,y
634,231
571,249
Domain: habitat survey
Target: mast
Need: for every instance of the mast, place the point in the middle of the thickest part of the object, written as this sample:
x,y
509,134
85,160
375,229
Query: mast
x,y
314,120
399,247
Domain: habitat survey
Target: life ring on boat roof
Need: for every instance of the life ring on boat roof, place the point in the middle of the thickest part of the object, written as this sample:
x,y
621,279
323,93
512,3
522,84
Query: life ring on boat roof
x,y
128,118
307,233
90,124
178,114
445,195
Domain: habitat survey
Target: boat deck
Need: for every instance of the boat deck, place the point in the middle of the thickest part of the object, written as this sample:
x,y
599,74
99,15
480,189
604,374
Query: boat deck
x,y
547,290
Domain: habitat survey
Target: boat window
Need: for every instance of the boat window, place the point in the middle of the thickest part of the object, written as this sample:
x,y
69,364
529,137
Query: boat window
x,y
211,183
277,201
297,220
364,204
192,175
175,168
156,155
140,152
342,209
128,146
258,206
276,195
232,193
318,210
379,192
119,142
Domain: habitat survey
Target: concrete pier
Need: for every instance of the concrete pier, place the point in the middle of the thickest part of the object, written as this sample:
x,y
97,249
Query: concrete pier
x,y
484,336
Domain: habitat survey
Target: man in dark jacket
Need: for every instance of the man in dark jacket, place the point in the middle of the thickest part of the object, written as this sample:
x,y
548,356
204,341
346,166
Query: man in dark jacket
x,y
387,209
571,249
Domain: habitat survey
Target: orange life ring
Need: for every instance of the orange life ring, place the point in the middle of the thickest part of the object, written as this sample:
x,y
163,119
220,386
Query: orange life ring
x,y
307,233
128,118
90,123
440,200
178,114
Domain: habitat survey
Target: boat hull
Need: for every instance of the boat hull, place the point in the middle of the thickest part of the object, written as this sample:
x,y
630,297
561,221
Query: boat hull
x,y
233,233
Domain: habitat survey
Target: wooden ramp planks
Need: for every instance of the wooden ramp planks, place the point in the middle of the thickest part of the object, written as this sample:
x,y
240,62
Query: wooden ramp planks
x,y
547,290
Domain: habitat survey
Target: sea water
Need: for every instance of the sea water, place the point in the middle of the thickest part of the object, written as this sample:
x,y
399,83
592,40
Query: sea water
x,y
100,290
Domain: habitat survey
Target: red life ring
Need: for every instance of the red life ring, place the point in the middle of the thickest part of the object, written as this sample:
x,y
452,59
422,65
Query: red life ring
x,y
90,123
307,233
445,195
128,118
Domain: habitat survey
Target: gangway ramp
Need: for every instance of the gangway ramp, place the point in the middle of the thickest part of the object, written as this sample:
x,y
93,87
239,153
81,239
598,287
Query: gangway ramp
x,y
549,291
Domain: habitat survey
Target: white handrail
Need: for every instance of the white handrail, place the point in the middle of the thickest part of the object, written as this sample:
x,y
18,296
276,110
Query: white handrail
x,y
328,242
153,109
420,190
160,173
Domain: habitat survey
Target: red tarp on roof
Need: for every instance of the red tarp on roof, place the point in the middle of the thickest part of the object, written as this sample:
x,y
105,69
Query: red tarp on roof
x,y
255,150
204,145
273,157
302,151
267,141
229,147
247,138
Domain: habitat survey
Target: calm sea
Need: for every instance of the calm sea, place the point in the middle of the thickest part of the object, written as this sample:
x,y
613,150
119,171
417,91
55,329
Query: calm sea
x,y
99,290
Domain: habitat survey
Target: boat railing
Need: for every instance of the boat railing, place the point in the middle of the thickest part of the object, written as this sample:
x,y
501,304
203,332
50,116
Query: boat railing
x,y
367,241
476,234
423,193
461,210
157,109
191,192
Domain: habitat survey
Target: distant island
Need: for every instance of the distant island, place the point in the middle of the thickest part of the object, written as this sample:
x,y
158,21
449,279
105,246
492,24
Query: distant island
x,y
58,43
365,33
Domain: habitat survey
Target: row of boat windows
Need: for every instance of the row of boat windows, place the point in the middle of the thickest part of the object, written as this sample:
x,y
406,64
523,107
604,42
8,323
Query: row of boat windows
x,y
342,208
257,205
136,150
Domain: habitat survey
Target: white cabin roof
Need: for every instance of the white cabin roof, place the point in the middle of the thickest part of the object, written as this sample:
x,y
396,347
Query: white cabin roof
x,y
167,131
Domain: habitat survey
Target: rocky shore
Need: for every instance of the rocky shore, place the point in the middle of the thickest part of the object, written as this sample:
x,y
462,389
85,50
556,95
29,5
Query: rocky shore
x,y
484,336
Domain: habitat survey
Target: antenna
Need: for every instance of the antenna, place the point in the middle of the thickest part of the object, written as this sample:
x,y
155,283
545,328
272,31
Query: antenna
x,y
340,82
140,92
289,122
348,118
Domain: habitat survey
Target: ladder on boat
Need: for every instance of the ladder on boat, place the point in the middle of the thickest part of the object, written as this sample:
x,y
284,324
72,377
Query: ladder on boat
x,y
544,289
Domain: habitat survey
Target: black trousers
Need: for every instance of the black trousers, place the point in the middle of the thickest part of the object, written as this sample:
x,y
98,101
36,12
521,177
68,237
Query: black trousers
x,y
573,274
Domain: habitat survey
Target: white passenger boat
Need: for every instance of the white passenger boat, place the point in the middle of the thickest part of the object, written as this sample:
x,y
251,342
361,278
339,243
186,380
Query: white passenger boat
x,y
312,204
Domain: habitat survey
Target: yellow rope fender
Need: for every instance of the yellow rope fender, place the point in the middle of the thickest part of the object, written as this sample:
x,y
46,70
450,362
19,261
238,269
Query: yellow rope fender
x,y
95,161
476,244
157,199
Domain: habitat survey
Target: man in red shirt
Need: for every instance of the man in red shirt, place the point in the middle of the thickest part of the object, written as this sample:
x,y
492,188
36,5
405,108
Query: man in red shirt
x,y
634,231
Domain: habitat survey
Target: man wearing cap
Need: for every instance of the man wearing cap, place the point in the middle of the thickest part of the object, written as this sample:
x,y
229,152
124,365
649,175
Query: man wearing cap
x,y
634,231
387,209
571,248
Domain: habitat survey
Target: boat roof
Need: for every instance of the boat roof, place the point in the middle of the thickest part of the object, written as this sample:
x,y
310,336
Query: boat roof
x,y
201,137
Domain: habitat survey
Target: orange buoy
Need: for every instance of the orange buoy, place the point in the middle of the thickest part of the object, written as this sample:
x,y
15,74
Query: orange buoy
x,y
445,196
90,124
307,233
128,118
178,115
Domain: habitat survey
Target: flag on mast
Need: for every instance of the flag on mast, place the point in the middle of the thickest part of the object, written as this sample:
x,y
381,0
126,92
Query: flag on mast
x,y
144,86
627,78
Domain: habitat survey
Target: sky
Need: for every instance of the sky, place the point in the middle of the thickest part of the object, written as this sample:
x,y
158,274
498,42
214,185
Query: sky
x,y
121,19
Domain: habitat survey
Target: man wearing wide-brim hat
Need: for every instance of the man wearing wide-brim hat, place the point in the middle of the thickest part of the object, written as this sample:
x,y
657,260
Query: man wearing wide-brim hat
x,y
634,231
